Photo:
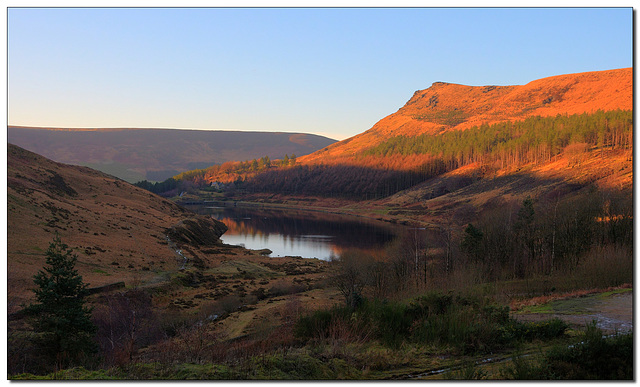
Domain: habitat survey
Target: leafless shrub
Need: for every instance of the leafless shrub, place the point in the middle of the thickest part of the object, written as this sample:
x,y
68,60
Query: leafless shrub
x,y
125,322
606,266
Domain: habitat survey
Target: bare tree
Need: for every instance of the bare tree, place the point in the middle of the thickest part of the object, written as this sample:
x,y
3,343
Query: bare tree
x,y
125,322
352,275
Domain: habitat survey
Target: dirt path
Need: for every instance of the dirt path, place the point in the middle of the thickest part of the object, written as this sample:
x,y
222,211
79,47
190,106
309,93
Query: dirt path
x,y
613,313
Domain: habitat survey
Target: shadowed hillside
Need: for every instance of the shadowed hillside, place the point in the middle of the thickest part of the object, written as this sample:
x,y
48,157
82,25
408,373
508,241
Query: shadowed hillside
x,y
156,273
118,231
157,154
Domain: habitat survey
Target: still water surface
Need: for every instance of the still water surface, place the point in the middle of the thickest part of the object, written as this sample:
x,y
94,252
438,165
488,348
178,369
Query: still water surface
x,y
300,233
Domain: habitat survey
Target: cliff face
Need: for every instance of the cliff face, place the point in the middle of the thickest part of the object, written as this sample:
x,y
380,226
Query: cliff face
x,y
448,106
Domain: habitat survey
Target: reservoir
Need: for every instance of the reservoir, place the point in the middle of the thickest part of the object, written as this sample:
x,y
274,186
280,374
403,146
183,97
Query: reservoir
x,y
308,234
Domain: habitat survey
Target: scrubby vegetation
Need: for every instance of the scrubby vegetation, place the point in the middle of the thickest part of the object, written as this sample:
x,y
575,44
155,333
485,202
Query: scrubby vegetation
x,y
594,357
466,325
412,311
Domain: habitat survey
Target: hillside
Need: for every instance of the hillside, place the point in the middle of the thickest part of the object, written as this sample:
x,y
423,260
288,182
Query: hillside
x,y
472,192
448,106
118,231
143,258
454,152
157,154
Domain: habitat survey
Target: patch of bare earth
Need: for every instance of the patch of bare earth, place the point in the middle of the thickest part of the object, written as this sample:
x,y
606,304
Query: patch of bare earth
x,y
612,313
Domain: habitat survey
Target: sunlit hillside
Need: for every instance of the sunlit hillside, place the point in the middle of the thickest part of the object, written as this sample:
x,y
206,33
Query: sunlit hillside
x,y
448,106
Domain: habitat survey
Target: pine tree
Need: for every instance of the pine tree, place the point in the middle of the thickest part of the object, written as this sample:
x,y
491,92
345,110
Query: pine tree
x,y
525,234
62,321
472,242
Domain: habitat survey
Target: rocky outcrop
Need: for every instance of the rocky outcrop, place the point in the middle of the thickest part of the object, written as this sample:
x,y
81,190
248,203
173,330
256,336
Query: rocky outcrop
x,y
197,231
106,288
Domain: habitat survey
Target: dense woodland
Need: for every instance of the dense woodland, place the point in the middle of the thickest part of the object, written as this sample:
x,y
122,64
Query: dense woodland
x,y
349,181
535,139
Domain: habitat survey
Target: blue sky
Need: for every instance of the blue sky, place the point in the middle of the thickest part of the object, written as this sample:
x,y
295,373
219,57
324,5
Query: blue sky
x,y
329,71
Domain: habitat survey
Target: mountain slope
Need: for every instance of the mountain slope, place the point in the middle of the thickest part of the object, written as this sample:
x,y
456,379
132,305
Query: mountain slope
x,y
118,231
454,151
157,154
447,106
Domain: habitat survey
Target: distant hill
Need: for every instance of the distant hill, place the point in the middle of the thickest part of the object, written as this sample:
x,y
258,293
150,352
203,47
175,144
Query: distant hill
x,y
118,231
157,154
447,106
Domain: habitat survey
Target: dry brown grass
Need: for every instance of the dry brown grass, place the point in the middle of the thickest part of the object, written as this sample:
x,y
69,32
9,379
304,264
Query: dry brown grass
x,y
517,305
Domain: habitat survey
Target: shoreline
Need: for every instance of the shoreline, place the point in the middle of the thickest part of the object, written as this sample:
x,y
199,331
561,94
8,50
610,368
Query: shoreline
x,y
358,213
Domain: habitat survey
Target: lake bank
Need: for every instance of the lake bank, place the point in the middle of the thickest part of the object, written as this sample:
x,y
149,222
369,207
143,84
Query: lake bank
x,y
300,232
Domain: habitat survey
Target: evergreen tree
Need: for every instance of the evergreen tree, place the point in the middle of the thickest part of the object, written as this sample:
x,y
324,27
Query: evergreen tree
x,y
62,321
525,234
265,162
472,242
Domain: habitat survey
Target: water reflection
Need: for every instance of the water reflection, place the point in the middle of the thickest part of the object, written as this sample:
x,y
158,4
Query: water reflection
x,y
299,233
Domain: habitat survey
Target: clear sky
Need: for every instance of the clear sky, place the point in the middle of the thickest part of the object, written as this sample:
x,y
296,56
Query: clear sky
x,y
329,71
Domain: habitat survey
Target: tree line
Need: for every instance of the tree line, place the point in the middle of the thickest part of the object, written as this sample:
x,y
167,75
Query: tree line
x,y
535,139
231,171
158,187
348,181
582,242
549,235
401,162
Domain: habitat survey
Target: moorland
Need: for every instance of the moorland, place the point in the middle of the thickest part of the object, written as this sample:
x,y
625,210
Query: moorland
x,y
135,154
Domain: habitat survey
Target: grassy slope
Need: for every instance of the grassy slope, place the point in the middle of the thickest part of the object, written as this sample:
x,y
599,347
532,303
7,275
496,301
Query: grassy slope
x,y
117,230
